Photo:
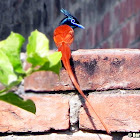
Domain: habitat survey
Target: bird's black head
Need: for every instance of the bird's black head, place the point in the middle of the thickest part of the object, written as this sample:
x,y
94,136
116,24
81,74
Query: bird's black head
x,y
70,20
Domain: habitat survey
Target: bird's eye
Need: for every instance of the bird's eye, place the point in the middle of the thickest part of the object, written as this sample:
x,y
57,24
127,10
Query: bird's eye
x,y
72,20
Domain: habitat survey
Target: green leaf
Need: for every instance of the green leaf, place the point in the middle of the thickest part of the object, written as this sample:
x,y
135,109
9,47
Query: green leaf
x,y
7,75
12,48
37,48
14,99
38,53
54,63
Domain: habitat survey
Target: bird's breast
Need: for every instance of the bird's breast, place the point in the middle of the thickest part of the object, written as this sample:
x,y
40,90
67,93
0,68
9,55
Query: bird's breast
x,y
63,34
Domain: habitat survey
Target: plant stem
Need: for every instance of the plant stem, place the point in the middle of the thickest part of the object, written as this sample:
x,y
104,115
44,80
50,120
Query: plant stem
x,y
29,71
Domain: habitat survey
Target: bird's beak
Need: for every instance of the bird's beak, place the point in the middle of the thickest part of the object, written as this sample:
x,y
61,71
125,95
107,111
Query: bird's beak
x,y
80,26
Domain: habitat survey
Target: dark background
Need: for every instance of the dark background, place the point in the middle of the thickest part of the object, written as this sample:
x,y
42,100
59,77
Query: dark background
x,y
108,23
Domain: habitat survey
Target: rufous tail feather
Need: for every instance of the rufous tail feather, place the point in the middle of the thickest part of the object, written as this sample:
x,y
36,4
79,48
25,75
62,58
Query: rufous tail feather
x,y
66,54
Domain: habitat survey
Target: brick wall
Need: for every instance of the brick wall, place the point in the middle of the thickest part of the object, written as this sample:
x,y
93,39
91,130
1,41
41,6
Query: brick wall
x,y
110,80
108,24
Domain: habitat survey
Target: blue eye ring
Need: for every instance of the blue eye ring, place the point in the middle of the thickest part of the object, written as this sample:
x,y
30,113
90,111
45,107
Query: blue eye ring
x,y
78,25
73,21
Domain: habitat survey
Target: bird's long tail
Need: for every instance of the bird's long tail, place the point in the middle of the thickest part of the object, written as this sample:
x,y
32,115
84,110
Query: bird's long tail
x,y
66,54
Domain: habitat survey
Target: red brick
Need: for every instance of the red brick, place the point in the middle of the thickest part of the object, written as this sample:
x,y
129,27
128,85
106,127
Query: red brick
x,y
125,35
117,40
117,14
123,7
82,43
120,112
126,10
136,6
98,69
130,8
52,112
137,27
91,36
98,32
48,81
106,25
133,29
105,45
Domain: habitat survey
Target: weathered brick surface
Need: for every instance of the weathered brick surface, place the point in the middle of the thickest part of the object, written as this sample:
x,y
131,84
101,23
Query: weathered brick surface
x,y
52,112
48,81
120,112
95,70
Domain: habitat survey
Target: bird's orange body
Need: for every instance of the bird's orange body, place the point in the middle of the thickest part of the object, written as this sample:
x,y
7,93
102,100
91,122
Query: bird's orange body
x,y
63,38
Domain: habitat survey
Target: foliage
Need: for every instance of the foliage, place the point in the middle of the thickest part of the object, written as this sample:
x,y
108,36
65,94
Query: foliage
x,y
11,68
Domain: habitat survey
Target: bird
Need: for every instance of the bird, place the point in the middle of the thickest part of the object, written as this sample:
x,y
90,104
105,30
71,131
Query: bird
x,y
63,38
